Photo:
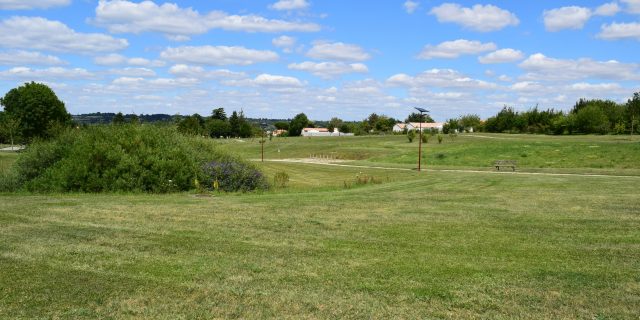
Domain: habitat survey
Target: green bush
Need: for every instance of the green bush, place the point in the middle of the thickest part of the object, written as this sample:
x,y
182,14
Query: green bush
x,y
138,158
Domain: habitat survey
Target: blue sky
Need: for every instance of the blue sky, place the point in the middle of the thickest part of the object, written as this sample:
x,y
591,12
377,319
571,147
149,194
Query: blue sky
x,y
327,58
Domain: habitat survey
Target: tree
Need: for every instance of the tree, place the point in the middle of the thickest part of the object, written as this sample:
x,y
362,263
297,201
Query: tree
x,y
591,119
190,125
134,119
417,117
219,114
470,121
299,122
36,107
218,128
234,124
281,125
633,108
118,118
9,125
334,123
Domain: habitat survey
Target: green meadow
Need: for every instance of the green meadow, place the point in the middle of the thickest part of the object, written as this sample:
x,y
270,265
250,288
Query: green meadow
x,y
346,242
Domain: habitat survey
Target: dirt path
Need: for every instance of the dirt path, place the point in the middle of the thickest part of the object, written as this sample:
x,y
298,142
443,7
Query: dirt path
x,y
337,163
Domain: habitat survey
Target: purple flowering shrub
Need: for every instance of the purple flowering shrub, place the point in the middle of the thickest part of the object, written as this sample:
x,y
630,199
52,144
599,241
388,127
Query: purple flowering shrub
x,y
233,176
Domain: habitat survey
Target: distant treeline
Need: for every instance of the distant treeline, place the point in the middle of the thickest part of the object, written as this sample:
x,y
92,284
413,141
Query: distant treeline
x,y
103,118
586,116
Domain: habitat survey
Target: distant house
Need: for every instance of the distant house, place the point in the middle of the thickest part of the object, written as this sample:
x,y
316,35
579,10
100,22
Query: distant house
x,y
400,127
279,132
323,132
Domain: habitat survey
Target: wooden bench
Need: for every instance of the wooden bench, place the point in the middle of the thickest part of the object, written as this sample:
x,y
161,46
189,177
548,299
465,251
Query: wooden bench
x,y
505,163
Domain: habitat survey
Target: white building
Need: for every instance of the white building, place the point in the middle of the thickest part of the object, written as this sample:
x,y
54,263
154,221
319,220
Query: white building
x,y
323,132
400,127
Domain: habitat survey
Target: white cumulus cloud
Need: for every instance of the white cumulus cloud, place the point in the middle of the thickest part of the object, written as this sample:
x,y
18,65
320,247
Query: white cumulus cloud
x,y
441,78
411,6
455,49
115,59
290,5
217,55
502,56
121,16
541,67
328,70
617,31
337,51
632,6
35,33
31,4
483,18
572,17
46,74
21,57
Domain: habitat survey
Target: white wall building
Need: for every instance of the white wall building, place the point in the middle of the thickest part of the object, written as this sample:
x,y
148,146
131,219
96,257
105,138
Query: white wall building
x,y
400,127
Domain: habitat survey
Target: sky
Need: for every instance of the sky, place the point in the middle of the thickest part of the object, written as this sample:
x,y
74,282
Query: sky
x,y
326,58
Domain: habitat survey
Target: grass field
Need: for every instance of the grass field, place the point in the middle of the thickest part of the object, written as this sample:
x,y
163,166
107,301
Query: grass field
x,y
532,152
415,245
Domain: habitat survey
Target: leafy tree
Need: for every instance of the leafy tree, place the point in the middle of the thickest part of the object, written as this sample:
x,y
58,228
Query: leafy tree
x,y
470,121
633,108
36,107
417,117
218,128
591,119
281,125
9,126
334,123
219,114
190,125
134,119
299,122
118,118
345,128
234,124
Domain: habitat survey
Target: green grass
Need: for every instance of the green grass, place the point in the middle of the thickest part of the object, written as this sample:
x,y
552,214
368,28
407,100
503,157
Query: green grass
x,y
7,159
434,245
612,154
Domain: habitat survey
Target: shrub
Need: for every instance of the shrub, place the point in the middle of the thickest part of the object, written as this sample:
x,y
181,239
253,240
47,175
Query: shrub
x,y
440,138
411,135
280,179
119,158
232,176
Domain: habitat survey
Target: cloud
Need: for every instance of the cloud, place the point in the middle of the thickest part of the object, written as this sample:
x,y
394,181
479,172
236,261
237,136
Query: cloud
x,y
269,81
541,67
337,51
455,49
36,33
133,72
410,6
46,74
284,42
502,56
290,5
328,70
121,16
607,9
31,4
115,59
572,17
618,31
633,6
441,78
198,72
21,57
483,18
218,55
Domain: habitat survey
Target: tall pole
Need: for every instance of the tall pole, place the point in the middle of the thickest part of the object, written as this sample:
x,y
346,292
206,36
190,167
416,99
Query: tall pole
x,y
420,145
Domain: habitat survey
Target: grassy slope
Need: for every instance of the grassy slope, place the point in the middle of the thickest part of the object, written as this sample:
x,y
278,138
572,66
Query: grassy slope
x,y
447,245
589,153
7,159
434,244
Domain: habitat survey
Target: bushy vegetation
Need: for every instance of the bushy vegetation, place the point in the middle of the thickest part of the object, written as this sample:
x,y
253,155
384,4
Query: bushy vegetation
x,y
138,158
586,116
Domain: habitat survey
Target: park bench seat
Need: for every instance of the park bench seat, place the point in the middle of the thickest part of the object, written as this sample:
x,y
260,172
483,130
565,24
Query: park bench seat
x,y
505,163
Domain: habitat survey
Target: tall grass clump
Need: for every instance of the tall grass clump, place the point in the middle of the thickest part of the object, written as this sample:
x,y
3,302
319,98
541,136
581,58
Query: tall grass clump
x,y
130,158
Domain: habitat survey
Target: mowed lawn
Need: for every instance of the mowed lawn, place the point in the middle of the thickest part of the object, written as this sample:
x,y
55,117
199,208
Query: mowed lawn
x,y
417,245
586,154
